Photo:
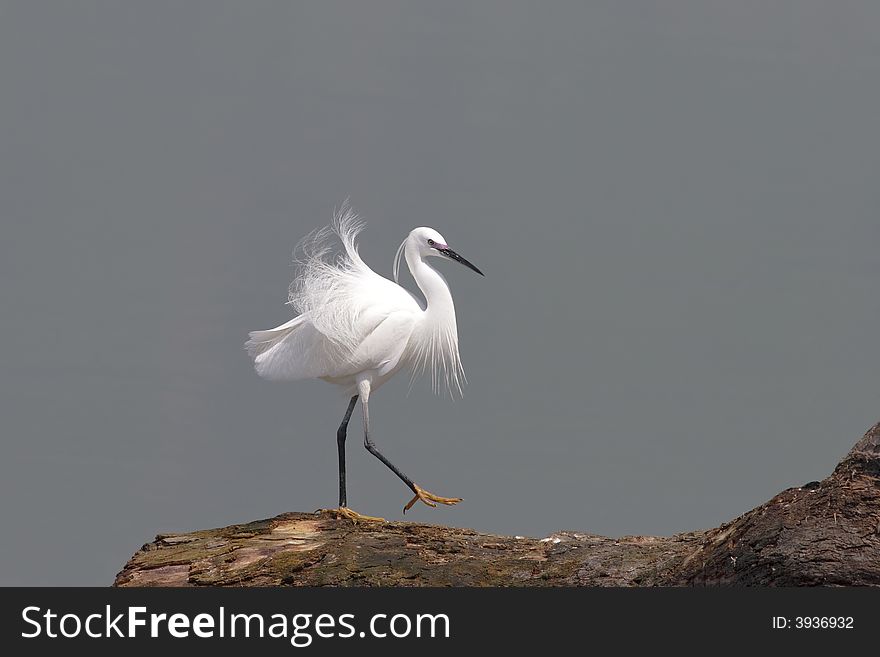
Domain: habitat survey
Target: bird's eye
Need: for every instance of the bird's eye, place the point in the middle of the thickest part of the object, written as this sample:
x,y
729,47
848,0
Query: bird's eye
x,y
430,242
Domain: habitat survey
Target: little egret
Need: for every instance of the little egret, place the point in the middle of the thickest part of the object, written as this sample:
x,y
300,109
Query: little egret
x,y
356,329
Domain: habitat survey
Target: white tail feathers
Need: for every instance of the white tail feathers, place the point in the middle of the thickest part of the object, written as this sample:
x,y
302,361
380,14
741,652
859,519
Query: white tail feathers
x,y
262,341
278,353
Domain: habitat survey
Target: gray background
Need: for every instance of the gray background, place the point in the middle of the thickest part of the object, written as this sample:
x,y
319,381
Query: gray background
x,y
675,205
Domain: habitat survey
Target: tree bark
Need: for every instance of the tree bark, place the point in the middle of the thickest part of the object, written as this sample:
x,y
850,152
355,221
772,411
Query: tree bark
x,y
823,533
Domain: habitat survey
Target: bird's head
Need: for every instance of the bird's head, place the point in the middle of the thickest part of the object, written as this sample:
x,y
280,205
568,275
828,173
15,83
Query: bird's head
x,y
431,243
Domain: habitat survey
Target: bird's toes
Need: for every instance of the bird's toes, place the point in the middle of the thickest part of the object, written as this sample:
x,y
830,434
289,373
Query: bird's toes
x,y
430,499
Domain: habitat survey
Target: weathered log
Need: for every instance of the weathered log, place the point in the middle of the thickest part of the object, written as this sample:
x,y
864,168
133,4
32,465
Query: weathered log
x,y
822,533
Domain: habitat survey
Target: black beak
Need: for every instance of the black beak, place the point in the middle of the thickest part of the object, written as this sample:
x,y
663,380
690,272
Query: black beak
x,y
452,255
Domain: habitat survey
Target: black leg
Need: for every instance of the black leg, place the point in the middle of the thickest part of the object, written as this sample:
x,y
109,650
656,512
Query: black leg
x,y
341,433
371,447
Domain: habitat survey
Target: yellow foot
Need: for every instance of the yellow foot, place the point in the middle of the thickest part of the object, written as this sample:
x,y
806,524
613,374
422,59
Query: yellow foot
x,y
345,512
430,499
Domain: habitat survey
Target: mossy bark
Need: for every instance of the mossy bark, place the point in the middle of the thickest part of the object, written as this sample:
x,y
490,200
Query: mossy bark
x,y
822,533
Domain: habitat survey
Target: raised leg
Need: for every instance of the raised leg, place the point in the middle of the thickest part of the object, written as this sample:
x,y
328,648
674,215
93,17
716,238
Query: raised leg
x,y
420,494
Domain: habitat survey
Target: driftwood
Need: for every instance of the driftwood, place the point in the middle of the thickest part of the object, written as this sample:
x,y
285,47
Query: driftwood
x,y
822,533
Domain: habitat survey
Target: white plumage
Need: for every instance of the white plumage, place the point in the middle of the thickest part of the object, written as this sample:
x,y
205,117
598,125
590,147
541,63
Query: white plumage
x,y
356,328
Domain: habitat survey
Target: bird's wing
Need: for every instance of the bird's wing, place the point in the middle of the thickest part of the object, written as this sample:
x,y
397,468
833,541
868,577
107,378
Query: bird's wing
x,y
384,346
297,350
383,323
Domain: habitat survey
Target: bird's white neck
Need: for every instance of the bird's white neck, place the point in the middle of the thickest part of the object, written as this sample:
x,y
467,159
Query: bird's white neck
x,y
432,284
435,341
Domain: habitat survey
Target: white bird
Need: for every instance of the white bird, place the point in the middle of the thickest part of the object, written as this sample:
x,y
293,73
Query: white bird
x,y
356,329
